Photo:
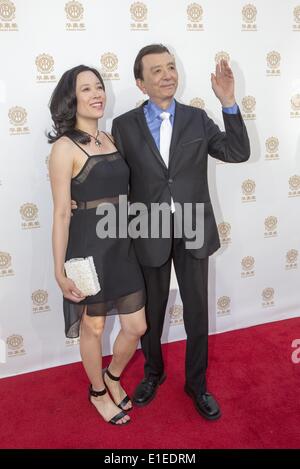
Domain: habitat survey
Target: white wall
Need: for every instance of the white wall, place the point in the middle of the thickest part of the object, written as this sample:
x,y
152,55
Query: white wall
x,y
32,330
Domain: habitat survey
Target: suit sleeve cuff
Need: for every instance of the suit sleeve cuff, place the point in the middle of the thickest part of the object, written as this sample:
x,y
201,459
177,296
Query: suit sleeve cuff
x,y
231,110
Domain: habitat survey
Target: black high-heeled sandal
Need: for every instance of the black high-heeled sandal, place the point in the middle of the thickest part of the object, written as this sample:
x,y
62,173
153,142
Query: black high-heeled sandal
x,y
126,398
114,419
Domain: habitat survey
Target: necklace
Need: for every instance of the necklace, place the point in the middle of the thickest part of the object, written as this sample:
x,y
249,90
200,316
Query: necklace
x,y
97,140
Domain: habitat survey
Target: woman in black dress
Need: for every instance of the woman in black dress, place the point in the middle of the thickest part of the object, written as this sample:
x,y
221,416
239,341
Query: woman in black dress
x,y
87,167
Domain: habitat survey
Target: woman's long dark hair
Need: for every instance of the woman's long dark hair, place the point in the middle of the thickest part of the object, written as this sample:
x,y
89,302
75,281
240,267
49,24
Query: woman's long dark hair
x,y
63,106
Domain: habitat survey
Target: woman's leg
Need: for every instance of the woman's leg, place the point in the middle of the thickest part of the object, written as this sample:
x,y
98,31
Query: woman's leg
x,y
133,326
91,331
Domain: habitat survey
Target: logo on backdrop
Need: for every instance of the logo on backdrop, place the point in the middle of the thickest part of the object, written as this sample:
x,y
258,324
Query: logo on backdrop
x,y
295,105
139,13
248,189
109,63
72,342
15,346
224,229
272,146
271,223
222,55
18,118
268,297
7,16
291,259
248,105
6,269
29,214
249,13
223,306
273,64
296,12
45,68
176,315
194,17
197,102
39,301
74,13
294,185
247,267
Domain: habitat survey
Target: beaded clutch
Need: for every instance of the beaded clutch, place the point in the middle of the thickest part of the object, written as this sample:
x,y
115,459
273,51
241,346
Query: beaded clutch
x,y
83,273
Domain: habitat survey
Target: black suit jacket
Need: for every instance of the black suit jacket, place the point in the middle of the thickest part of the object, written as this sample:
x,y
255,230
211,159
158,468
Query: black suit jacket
x,y
194,137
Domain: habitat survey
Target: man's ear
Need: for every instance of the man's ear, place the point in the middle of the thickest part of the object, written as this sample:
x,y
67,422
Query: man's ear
x,y
140,85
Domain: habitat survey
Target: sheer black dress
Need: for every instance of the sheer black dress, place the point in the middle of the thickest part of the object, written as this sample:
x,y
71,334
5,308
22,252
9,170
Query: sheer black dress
x,y
102,179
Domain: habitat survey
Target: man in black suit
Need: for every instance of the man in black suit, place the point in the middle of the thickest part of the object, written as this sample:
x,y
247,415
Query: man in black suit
x,y
177,174
178,177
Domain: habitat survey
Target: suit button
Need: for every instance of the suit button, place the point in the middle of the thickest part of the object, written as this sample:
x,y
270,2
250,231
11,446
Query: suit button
x,y
170,181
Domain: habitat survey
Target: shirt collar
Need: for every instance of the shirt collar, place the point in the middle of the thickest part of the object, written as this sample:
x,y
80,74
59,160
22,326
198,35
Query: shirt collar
x,y
154,111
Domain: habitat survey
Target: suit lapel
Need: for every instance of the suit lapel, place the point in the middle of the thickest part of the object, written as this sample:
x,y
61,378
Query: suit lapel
x,y
179,124
147,134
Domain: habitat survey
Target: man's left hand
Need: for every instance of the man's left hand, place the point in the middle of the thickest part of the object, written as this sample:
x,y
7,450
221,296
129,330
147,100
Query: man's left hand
x,y
222,83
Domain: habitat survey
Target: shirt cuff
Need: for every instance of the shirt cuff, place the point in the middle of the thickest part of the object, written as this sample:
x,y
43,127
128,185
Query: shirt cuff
x,y
231,110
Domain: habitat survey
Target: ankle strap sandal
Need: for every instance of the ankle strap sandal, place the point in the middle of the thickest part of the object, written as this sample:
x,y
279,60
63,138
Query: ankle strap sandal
x,y
117,378
116,417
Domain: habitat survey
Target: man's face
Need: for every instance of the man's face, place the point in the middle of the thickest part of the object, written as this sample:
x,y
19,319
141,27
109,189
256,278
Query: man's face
x,y
160,77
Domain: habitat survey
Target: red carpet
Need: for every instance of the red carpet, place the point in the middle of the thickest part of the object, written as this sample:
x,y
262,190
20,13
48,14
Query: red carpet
x,y
250,373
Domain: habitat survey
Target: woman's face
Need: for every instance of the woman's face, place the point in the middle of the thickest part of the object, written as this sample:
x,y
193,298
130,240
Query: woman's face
x,y
90,96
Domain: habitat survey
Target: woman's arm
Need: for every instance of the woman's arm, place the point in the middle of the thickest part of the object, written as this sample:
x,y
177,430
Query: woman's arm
x,y
60,170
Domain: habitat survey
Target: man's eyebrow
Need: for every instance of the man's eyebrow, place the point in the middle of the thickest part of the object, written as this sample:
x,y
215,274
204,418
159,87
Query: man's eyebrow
x,y
157,66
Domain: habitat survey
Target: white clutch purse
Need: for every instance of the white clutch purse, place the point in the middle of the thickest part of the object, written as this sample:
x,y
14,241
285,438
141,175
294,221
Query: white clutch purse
x,y
83,273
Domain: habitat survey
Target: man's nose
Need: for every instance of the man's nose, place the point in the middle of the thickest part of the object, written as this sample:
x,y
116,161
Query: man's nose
x,y
167,74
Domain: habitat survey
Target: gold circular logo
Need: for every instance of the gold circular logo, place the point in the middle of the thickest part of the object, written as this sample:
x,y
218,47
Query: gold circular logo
x,y
223,302
294,182
17,115
272,144
249,13
248,103
295,101
39,297
109,61
224,229
248,187
138,11
195,12
222,55
297,14
248,262
176,312
273,59
44,63
5,260
268,294
271,223
14,342
74,10
7,10
292,255
197,102
29,212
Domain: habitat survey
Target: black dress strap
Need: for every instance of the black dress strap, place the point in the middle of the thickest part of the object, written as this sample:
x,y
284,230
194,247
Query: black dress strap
x,y
109,137
74,141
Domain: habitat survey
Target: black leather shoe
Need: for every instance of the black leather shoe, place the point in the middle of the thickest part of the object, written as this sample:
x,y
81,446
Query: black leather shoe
x,y
146,390
205,404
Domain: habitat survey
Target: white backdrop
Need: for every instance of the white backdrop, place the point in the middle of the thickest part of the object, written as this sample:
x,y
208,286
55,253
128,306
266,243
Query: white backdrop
x,y
254,277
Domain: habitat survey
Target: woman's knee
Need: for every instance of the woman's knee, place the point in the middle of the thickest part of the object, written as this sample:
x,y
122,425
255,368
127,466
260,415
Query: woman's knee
x,y
93,326
136,329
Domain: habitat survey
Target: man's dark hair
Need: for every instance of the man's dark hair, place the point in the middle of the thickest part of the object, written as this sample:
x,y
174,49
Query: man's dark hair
x,y
151,49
